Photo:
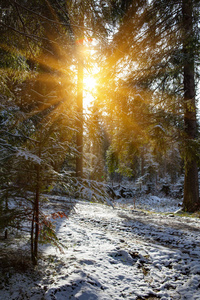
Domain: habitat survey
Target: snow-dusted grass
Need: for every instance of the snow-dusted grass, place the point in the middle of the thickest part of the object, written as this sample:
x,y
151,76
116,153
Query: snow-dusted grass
x,y
150,203
123,253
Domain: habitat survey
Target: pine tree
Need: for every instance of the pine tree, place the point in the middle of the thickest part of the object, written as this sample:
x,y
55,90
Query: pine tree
x,y
175,27
37,138
155,50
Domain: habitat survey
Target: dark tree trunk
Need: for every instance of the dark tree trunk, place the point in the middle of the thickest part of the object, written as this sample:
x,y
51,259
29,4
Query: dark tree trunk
x,y
6,231
191,189
35,224
36,211
32,236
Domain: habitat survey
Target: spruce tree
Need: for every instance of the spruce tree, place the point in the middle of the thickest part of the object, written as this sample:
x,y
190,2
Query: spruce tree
x,y
155,49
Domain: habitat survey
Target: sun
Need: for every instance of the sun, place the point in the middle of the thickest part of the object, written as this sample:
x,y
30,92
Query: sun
x,y
89,84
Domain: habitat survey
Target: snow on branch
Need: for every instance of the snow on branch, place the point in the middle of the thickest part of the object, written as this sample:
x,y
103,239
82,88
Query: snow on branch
x,y
28,156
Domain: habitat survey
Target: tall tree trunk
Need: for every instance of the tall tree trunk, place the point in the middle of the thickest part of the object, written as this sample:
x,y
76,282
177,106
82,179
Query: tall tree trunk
x,y
191,188
79,137
32,236
6,231
34,244
37,198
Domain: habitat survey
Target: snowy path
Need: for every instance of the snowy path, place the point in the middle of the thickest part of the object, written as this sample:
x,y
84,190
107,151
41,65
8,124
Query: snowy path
x,y
117,254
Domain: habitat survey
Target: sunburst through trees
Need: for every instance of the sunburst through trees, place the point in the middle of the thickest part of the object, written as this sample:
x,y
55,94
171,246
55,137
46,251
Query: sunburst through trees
x,y
92,87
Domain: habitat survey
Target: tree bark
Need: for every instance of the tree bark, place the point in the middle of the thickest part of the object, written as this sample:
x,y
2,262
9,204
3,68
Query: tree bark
x,y
191,201
36,210
79,137
34,246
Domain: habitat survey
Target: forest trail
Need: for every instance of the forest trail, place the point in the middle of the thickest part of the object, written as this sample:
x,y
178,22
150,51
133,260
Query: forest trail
x,y
115,254
129,254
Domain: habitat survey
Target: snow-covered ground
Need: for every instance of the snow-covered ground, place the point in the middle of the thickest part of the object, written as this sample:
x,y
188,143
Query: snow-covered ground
x,y
122,253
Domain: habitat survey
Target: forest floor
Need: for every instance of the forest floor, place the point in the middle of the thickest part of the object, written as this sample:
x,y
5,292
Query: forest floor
x,y
129,252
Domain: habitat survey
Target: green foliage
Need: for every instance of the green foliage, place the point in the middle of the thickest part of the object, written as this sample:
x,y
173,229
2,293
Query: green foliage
x,y
190,150
111,160
95,145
